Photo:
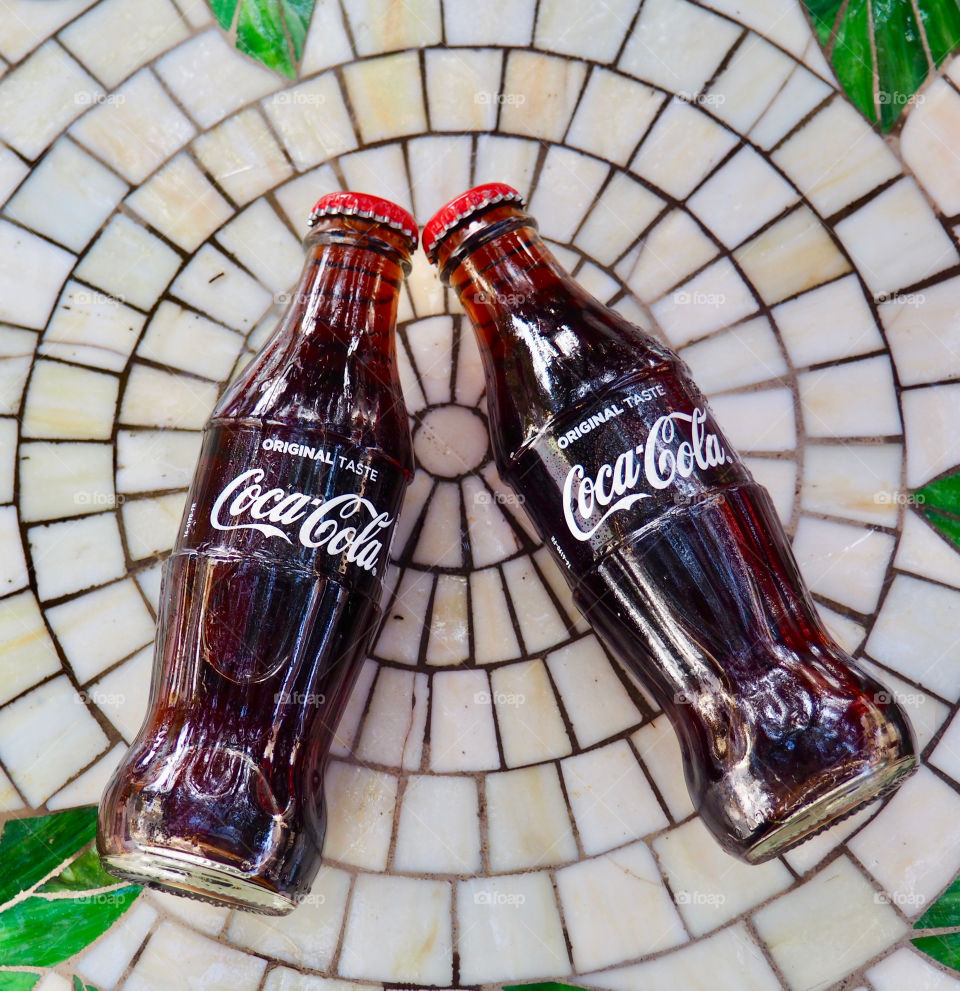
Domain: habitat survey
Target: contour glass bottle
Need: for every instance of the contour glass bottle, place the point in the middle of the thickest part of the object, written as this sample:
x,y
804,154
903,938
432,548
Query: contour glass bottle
x,y
271,594
673,552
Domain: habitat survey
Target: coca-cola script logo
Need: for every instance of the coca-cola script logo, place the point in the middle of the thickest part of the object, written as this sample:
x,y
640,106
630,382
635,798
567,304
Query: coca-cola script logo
x,y
325,526
658,462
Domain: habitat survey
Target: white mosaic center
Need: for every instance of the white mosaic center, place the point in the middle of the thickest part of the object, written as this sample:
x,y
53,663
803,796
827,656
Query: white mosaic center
x,y
451,441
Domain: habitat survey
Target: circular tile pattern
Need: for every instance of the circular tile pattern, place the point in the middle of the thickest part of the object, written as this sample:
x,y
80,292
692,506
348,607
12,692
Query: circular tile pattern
x,y
506,802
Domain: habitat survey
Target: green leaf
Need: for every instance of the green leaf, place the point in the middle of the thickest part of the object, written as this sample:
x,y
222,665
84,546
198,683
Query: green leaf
x,y
939,502
944,912
271,31
224,11
17,980
42,932
82,874
944,949
31,848
297,15
879,48
547,986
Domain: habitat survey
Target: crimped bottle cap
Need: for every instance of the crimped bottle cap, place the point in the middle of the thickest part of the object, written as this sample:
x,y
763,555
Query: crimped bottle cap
x,y
461,207
350,204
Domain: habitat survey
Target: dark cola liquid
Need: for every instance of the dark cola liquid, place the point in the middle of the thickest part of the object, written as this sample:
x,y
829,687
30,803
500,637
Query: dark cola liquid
x,y
676,556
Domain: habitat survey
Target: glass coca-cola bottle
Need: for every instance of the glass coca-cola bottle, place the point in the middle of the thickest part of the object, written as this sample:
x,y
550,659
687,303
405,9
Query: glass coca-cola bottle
x,y
271,594
673,552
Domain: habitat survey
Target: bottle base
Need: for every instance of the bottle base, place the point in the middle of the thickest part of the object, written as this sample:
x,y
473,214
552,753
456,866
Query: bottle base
x,y
835,805
196,877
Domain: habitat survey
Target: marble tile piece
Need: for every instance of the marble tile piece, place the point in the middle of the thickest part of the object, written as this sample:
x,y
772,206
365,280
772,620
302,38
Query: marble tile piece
x,y
74,554
64,480
430,342
842,562
830,322
462,88
8,457
148,580
779,477
66,401
361,804
611,799
384,169
381,26
387,96
146,30
129,263
853,481
791,256
312,121
567,186
715,297
27,23
509,929
837,912
88,786
928,141
462,733
404,626
675,247
491,536
174,948
923,332
327,42
448,641
489,22
780,21
188,69
27,654
390,718
557,581
201,916
398,929
923,551
10,801
42,96
284,979
758,421
836,158
181,204
494,637
243,156
12,172
510,160
744,355
122,694
657,745
598,283
911,860
156,398
727,961
814,851
216,286
440,169
185,339
308,936
89,327
907,968
105,962
68,196
13,567
856,399
46,736
528,826
898,216
591,32
622,211
29,261
800,94
136,128
528,717
541,625
153,460
539,94
439,828
617,908
427,295
933,445
914,634
926,713
414,501
747,86
594,698
353,712
263,244
709,886
682,147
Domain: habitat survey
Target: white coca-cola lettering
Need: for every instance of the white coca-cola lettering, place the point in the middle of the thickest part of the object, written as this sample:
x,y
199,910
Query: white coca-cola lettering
x,y
665,458
322,527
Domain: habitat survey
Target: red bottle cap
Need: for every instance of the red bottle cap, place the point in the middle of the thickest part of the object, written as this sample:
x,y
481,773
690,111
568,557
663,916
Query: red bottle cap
x,y
463,206
349,204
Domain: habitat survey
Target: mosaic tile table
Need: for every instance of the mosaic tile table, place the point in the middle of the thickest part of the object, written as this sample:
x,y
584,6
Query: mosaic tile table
x,y
507,804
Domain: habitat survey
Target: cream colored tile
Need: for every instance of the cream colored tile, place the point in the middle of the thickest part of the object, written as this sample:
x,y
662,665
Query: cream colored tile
x,y
594,697
190,68
746,87
12,171
781,22
440,167
590,32
155,398
146,30
509,929
68,196
528,826
494,636
16,356
462,88
793,255
87,788
105,962
491,536
800,94
46,736
27,23
927,714
13,567
75,554
202,916
401,633
398,929
489,22
779,477
64,480
184,339
448,638
353,712
929,141
65,401
439,826
8,457
152,460
929,419
263,244
381,26
621,212
360,809
390,717
216,286
430,342
758,421
122,695
854,481
814,851
907,968
924,552
29,261
28,654
656,742
539,94
387,97
567,186
923,332
136,129
531,727
150,526
674,248
462,734
384,170
129,263
837,913
283,979
175,949
42,96
855,399
541,625
683,68
617,908
899,215
510,160
327,42
744,355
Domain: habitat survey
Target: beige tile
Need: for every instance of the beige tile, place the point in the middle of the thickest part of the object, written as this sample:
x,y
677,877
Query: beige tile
x,y
68,402
539,94
382,26
360,809
387,97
